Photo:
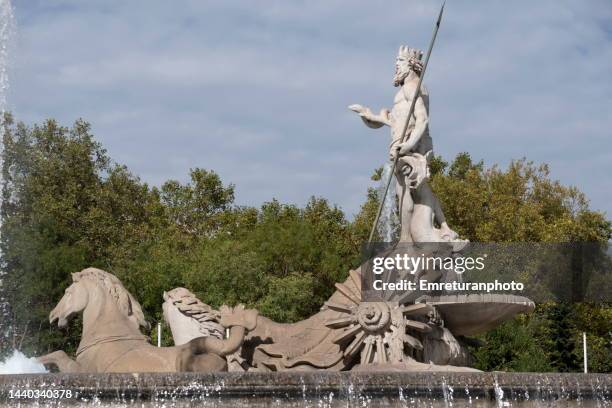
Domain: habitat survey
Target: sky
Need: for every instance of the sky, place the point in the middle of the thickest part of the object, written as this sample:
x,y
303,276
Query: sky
x,y
258,91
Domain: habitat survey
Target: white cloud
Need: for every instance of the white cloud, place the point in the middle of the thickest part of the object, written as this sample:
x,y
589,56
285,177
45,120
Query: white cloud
x,y
259,92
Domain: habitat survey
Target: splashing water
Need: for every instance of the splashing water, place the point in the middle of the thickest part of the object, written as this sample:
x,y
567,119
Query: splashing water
x,y
7,31
388,222
18,363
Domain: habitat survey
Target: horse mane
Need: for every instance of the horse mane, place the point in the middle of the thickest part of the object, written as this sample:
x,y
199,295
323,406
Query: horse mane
x,y
189,305
125,301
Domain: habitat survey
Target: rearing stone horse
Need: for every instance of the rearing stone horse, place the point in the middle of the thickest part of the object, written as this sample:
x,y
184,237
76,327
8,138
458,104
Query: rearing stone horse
x,y
112,342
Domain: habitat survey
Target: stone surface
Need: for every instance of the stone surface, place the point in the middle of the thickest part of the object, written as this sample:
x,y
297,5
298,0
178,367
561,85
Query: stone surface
x,y
347,333
468,315
322,389
419,208
189,318
112,342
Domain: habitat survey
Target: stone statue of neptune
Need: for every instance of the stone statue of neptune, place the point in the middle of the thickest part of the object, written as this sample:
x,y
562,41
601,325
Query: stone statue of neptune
x,y
420,213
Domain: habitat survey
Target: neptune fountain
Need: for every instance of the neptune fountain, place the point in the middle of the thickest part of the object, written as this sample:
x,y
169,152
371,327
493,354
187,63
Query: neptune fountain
x,y
351,332
397,349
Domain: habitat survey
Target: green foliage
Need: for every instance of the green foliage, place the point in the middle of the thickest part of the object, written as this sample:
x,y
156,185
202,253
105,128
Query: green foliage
x,y
522,204
197,208
513,347
550,339
67,206
295,289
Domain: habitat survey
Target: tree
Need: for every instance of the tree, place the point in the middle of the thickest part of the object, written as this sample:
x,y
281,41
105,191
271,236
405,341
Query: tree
x,y
197,208
65,207
522,204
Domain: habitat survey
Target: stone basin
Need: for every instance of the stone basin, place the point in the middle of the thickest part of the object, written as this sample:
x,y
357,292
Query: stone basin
x,y
468,315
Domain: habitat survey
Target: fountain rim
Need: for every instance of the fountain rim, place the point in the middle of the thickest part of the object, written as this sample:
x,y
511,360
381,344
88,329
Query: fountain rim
x,y
230,388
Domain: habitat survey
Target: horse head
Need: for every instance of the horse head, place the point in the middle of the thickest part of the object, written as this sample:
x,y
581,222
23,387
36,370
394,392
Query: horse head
x,y
95,286
189,318
74,301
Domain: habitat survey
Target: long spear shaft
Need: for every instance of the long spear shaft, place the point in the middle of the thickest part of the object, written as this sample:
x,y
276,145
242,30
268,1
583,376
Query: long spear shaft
x,y
405,128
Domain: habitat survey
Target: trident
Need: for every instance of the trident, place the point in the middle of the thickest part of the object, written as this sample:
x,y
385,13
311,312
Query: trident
x,y
405,128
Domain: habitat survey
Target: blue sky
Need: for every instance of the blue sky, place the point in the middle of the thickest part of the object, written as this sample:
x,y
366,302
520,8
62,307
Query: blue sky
x,y
257,91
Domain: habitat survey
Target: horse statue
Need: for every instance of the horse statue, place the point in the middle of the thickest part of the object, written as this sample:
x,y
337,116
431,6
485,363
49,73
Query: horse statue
x,y
269,346
347,334
111,340
190,318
